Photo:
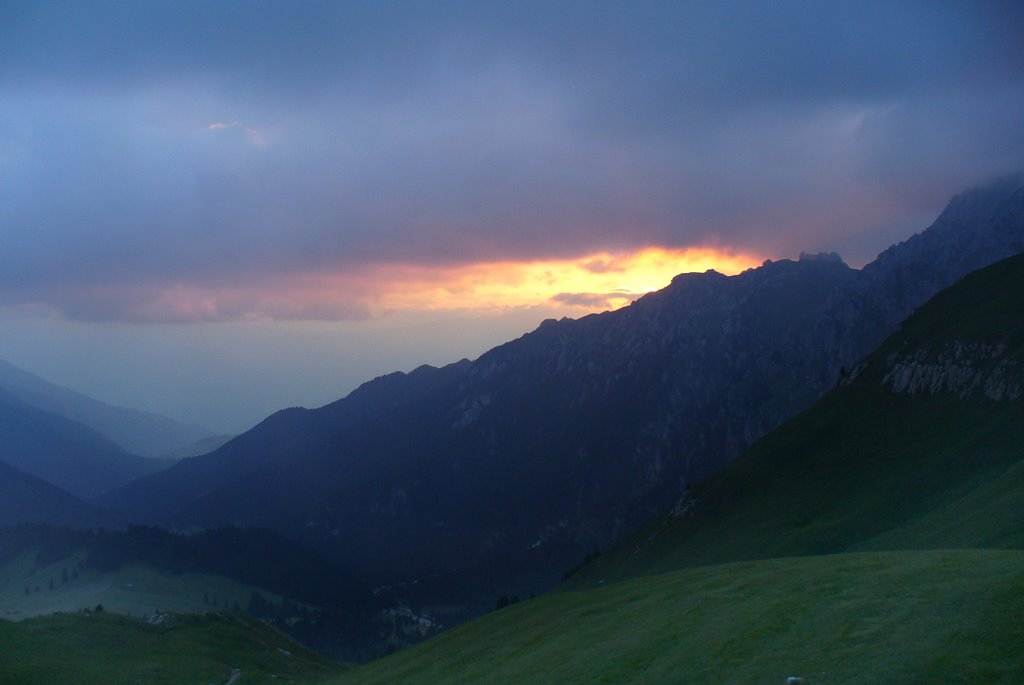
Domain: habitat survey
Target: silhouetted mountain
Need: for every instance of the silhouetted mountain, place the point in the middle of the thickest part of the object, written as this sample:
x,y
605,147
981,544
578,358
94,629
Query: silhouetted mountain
x,y
28,499
65,453
494,476
918,447
977,228
286,435
138,432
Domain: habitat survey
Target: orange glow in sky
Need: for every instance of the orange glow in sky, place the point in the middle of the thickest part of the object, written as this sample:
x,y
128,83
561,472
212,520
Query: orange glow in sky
x,y
563,287
589,283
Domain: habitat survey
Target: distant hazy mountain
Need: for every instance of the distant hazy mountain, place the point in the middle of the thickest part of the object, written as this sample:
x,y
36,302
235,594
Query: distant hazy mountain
x,y
28,499
138,432
65,453
496,475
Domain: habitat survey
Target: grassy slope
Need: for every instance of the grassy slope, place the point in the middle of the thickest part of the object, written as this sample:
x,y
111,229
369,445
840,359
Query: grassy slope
x,y
866,468
846,476
880,617
107,649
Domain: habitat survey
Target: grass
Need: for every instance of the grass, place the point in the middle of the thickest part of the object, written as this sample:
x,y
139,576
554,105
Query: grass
x,y
881,617
108,649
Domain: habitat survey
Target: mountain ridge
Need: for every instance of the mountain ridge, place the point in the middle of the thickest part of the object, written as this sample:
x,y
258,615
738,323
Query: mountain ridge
x,y
139,432
916,447
589,426
66,453
25,498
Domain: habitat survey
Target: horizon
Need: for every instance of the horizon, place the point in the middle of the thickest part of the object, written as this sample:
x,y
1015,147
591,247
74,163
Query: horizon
x,y
460,325
215,212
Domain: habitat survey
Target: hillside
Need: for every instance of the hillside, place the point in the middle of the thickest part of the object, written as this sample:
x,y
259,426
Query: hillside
x,y
138,432
919,447
28,499
107,649
64,453
857,619
494,476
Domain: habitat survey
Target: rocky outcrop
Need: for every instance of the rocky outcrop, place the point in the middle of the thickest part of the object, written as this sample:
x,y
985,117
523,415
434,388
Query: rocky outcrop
x,y
978,227
962,369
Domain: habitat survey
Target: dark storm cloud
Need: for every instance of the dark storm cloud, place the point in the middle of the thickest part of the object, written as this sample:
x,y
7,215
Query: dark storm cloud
x,y
148,145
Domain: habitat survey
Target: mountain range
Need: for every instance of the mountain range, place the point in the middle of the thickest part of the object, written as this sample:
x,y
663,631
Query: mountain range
x,y
875,537
138,432
918,447
498,474
24,497
66,453
82,445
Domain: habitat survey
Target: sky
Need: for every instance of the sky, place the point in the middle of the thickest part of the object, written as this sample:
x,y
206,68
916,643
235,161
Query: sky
x,y
214,210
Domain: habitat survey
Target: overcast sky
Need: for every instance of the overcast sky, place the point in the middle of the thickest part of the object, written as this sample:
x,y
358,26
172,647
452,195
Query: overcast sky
x,y
216,209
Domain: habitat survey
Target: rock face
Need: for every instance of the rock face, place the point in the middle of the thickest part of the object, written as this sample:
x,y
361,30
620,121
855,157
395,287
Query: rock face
x,y
962,369
494,476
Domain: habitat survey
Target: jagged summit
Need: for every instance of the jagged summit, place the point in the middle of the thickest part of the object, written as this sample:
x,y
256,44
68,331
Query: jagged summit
x,y
821,257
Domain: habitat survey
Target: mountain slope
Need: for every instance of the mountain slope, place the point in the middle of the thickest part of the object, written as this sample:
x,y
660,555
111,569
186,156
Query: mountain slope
x,y
564,435
65,453
493,477
280,438
977,228
918,448
858,619
138,432
27,499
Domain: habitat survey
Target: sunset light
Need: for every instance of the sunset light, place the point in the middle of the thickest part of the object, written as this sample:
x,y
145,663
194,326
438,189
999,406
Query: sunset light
x,y
592,282
333,330
589,283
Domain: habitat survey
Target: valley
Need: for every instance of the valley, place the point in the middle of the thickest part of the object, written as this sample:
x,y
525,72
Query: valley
x,y
511,343
739,516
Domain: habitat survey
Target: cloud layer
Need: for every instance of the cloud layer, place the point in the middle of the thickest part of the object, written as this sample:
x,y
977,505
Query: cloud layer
x,y
204,161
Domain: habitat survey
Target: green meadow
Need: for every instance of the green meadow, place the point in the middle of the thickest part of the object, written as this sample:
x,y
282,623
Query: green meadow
x,y
109,649
871,618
